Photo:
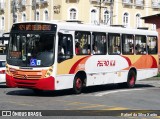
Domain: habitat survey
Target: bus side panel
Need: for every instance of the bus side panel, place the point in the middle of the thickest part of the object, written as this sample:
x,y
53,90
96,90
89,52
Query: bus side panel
x,y
146,73
121,76
64,82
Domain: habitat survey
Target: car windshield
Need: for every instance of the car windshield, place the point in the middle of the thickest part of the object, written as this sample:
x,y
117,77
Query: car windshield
x,y
31,50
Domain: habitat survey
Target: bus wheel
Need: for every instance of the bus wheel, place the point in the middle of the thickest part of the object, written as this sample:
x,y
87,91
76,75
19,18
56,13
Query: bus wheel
x,y
131,79
77,85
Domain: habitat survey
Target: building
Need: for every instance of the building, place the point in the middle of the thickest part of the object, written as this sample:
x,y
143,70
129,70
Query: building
x,y
114,12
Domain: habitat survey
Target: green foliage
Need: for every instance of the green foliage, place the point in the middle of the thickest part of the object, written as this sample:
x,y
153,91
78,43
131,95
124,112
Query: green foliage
x,y
158,75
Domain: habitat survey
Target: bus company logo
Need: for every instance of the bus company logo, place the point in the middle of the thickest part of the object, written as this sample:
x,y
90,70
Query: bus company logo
x,y
24,77
6,113
107,63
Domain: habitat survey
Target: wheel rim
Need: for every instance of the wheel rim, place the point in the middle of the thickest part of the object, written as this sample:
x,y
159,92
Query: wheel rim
x,y
132,80
78,83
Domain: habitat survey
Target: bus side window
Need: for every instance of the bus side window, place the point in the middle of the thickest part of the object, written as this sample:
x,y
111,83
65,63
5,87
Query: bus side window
x,y
152,45
114,45
65,47
127,44
140,44
99,43
82,43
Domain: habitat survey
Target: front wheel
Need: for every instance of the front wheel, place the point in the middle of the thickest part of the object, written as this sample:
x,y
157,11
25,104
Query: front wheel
x,y
131,80
77,85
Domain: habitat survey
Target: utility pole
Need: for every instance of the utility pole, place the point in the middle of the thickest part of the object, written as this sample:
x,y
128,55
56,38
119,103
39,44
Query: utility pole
x,y
100,9
14,10
111,13
35,7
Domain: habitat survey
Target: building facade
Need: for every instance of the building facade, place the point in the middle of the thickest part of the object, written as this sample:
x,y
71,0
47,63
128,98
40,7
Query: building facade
x,y
107,12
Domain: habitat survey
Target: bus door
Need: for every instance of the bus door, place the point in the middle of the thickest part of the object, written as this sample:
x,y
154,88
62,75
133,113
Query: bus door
x,y
64,51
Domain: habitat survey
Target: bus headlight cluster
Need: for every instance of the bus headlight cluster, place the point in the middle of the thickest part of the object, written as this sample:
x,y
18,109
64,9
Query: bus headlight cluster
x,y
49,72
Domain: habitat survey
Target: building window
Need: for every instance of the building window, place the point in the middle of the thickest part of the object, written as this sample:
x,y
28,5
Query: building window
x,y
37,16
125,19
93,16
24,17
73,14
46,17
106,17
138,20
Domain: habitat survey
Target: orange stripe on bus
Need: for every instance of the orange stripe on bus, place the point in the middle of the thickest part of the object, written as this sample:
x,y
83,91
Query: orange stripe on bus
x,y
74,67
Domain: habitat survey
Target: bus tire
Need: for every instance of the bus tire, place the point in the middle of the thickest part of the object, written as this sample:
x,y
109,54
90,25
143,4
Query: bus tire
x,y
77,85
131,80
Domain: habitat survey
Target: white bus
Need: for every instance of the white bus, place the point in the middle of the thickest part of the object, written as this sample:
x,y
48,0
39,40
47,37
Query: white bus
x,y
59,55
3,48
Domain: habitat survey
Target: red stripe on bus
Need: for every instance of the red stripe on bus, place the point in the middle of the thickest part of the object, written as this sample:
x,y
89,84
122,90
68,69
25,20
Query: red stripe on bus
x,y
128,60
72,70
154,63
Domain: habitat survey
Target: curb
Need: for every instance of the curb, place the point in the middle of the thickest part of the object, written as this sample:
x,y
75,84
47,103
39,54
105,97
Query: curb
x,y
152,79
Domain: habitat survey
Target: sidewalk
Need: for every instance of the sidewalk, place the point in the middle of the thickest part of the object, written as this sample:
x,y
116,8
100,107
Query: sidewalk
x,y
153,78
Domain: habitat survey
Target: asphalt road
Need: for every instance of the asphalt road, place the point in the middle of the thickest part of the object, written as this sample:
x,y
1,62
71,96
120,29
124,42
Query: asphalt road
x,y
97,101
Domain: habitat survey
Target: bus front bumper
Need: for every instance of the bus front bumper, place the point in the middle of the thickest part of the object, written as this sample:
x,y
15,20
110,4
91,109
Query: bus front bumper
x,y
41,84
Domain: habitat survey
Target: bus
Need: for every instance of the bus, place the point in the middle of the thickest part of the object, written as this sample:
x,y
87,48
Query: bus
x,y
3,48
58,55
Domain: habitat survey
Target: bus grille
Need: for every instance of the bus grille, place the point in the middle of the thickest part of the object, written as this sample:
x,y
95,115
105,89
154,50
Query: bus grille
x,y
26,83
18,74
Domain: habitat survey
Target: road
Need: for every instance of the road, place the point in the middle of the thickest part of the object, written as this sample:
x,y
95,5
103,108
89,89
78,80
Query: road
x,y
145,96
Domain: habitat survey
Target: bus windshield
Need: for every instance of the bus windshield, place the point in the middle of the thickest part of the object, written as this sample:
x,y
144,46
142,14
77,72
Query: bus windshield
x,y
31,50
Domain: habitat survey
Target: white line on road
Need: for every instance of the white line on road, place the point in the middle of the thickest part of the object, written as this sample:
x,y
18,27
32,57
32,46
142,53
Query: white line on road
x,y
117,91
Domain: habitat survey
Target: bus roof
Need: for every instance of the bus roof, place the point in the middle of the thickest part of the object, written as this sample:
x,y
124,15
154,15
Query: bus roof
x,y
71,26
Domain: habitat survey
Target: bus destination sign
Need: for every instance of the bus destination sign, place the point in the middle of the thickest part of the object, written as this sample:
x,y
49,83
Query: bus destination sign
x,y
34,27
37,27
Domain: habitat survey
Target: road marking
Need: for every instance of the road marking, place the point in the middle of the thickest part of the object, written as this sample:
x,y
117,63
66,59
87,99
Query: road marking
x,y
76,103
88,107
117,91
20,103
116,108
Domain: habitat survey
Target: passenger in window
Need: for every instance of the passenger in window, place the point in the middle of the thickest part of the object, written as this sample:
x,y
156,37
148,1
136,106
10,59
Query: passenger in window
x,y
77,48
154,49
130,47
89,51
60,50
95,50
143,49
137,48
116,50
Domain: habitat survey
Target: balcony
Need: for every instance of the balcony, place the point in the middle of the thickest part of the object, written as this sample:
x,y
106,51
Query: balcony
x,y
127,2
107,1
72,1
155,4
21,4
94,1
2,5
41,2
139,3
